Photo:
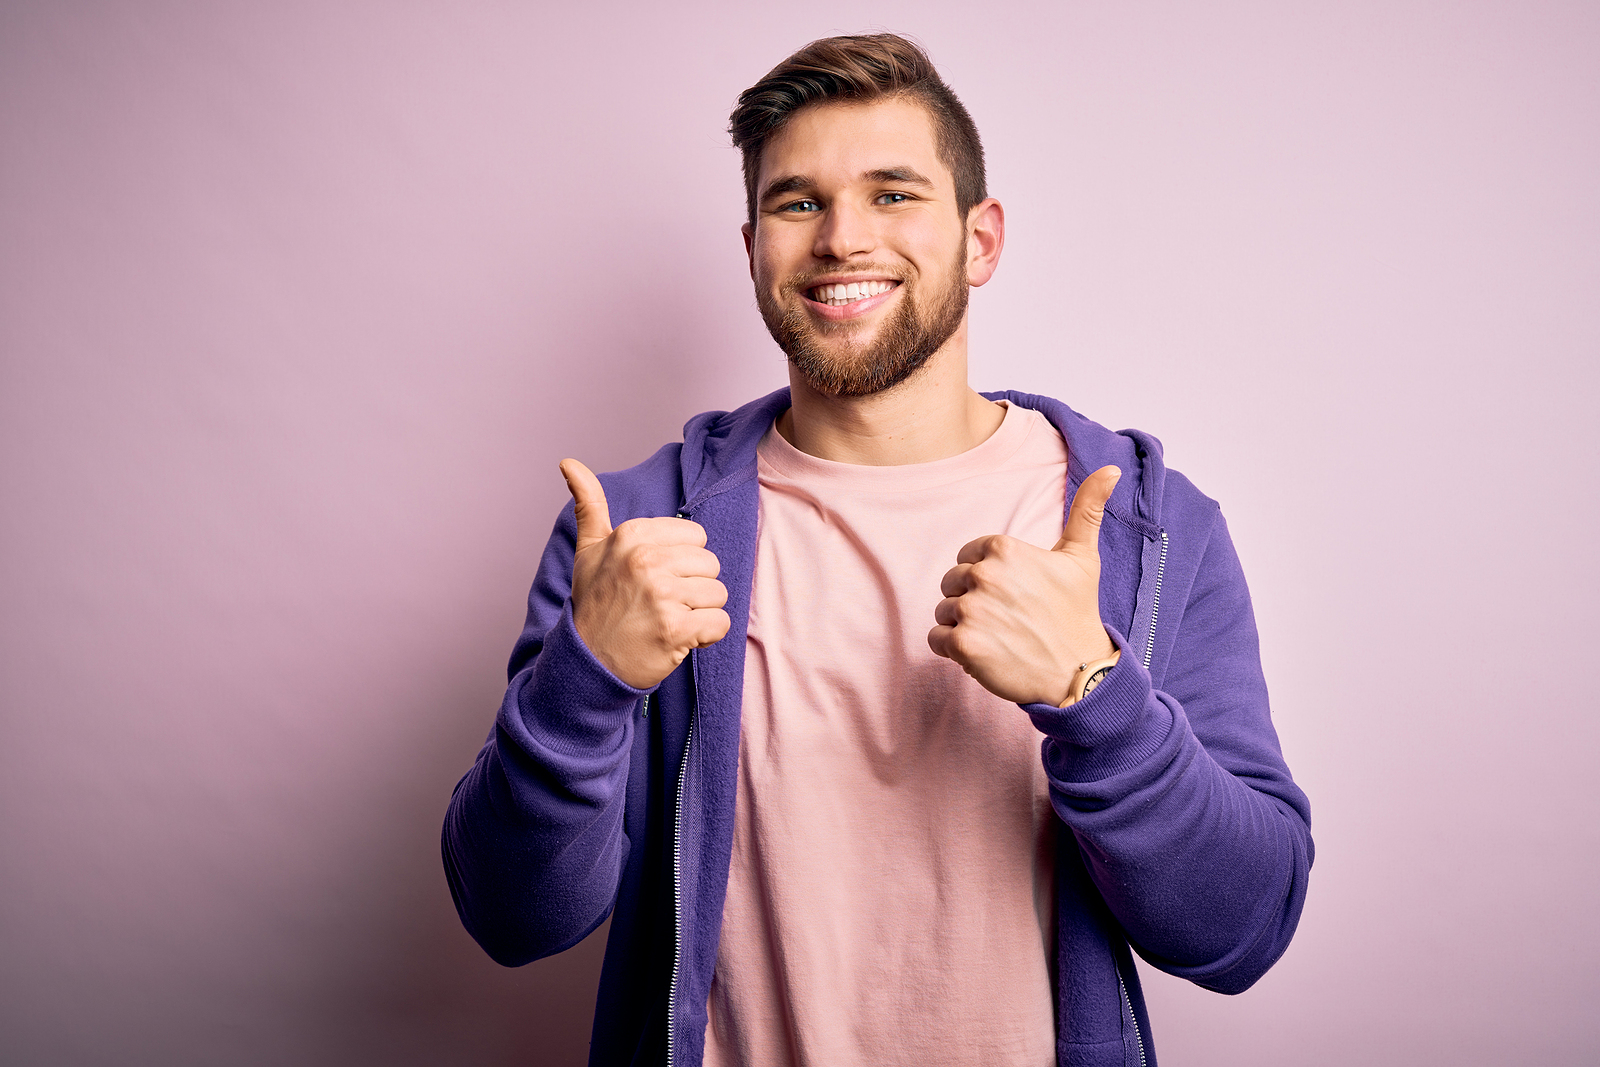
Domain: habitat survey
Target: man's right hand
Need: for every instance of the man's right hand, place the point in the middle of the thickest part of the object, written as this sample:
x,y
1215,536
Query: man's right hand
x,y
645,593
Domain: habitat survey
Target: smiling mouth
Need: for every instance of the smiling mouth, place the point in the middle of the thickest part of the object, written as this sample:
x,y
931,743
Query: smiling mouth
x,y
841,293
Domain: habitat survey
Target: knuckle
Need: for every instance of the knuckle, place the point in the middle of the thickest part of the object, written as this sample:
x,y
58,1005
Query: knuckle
x,y
635,563
669,627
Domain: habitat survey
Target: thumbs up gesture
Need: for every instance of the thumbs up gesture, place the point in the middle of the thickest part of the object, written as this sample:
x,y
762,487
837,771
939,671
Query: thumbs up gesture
x,y
645,593
1020,619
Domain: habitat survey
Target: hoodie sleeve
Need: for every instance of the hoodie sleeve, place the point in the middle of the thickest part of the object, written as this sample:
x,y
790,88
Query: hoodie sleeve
x,y
533,839
1179,798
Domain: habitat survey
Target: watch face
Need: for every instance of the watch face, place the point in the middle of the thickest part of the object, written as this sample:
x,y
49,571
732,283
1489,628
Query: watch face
x,y
1095,679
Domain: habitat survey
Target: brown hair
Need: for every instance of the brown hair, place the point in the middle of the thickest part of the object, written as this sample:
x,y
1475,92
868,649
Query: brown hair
x,y
858,70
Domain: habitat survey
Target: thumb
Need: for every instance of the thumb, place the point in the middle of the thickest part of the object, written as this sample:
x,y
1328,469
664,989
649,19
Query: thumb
x,y
589,500
1082,531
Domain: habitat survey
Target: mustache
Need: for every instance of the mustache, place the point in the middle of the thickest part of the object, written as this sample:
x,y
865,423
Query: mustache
x,y
799,283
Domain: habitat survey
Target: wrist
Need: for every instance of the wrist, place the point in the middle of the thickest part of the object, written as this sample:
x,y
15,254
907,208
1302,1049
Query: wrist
x,y
1089,674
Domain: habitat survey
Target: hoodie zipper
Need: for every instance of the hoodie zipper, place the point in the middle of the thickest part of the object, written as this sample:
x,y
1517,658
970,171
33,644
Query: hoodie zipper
x,y
677,896
1127,1003
1155,610
677,873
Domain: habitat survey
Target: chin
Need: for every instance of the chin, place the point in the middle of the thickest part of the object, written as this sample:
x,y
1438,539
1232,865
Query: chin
x,y
872,360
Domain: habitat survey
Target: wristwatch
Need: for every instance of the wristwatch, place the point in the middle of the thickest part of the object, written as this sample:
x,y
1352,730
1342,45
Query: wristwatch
x,y
1088,676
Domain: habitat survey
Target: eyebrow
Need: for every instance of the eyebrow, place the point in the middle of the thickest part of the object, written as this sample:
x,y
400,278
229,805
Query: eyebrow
x,y
791,184
795,183
903,175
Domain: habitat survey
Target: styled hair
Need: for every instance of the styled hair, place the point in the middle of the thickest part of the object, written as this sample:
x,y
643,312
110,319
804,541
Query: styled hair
x,y
858,70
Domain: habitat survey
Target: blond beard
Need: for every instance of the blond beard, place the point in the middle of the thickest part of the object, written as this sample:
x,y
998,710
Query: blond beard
x,y
907,340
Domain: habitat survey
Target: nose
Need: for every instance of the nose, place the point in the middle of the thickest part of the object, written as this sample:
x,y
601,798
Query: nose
x,y
846,230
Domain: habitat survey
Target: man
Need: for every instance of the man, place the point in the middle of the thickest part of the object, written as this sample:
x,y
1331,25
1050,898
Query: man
x,y
770,723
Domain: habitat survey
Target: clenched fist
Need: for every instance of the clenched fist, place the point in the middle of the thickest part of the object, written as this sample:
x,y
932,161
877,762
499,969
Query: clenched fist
x,y
1021,619
645,593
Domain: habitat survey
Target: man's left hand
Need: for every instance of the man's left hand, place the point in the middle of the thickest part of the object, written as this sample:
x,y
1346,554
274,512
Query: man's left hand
x,y
1021,619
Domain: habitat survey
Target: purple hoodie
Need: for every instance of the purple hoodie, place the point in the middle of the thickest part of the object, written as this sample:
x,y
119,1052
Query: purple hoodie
x,y
1181,832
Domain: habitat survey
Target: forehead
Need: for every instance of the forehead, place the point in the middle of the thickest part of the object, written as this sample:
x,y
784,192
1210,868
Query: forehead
x,y
837,142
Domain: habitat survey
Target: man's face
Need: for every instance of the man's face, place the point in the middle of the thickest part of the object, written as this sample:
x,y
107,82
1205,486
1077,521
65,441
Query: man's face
x,y
859,255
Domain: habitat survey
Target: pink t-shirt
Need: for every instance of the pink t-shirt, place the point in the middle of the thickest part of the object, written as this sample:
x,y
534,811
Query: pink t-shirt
x,y
891,897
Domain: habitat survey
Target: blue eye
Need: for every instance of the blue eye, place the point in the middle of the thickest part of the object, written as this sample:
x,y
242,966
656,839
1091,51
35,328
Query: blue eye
x,y
893,198
800,206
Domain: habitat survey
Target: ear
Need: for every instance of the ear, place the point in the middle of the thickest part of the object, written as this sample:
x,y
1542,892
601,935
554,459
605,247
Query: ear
x,y
986,236
750,247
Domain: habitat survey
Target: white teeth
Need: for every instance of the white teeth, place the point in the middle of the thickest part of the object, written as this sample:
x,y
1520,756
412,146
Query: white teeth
x,y
838,295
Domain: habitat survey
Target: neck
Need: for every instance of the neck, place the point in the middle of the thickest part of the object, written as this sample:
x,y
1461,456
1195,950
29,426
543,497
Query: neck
x,y
931,415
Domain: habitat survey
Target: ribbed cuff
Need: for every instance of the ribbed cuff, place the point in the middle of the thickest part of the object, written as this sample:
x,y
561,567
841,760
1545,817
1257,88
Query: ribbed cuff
x,y
571,703
1113,729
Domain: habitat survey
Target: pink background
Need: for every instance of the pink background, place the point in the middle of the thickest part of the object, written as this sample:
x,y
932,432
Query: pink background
x,y
300,303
